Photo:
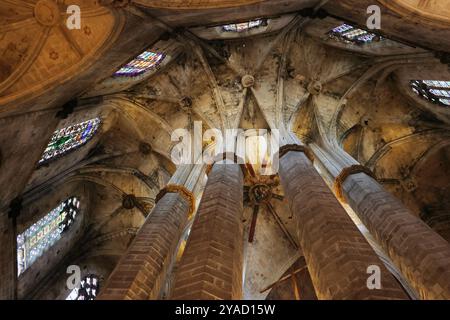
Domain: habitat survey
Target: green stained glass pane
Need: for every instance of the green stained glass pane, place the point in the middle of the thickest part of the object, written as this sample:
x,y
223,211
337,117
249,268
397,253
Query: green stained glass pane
x,y
67,139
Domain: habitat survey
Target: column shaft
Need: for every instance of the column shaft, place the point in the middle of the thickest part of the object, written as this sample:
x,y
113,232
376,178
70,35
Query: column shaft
x,y
140,274
211,266
421,254
337,254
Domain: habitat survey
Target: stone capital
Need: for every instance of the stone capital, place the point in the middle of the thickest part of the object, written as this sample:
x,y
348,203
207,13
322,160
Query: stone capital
x,y
296,148
345,173
183,191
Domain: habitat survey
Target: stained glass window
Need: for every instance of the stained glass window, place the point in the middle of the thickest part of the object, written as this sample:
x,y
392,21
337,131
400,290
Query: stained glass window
x,y
350,34
39,237
69,138
142,63
240,27
433,90
87,290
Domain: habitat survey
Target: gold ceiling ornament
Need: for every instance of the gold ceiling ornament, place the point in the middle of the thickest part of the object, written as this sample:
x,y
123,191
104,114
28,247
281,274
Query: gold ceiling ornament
x,y
40,51
47,13
181,190
315,87
436,13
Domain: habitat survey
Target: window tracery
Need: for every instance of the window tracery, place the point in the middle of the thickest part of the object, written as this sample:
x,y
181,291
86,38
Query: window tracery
x,y
435,91
244,26
142,63
39,237
350,34
67,139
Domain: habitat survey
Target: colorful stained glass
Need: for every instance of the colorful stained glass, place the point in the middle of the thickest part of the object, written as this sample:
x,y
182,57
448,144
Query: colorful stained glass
x,y
435,91
43,234
142,63
69,138
350,34
87,290
240,27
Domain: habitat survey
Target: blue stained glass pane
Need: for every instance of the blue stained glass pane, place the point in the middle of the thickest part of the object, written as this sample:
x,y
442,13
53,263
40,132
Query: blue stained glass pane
x,y
142,63
435,91
43,234
349,34
342,28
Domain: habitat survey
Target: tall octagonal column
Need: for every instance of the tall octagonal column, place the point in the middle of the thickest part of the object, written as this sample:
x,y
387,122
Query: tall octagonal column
x,y
211,266
141,272
337,254
421,254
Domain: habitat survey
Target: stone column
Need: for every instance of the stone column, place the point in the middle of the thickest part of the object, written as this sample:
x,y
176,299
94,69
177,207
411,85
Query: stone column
x,y
211,266
141,272
421,254
337,254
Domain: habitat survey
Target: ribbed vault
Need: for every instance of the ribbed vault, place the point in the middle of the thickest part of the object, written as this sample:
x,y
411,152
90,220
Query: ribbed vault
x,y
291,76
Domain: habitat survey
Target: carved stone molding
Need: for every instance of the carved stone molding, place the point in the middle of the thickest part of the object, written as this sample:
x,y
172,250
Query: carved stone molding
x,y
129,201
248,81
315,87
345,173
183,191
145,148
297,148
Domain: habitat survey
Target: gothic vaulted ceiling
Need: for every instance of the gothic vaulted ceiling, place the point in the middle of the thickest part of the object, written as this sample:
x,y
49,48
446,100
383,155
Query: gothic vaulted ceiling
x,y
285,72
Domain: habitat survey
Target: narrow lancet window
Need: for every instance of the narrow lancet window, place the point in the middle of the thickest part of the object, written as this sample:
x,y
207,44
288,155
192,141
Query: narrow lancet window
x,y
39,237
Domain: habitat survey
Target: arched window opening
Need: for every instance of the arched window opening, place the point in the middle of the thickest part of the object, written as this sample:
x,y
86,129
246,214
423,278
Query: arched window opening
x,y
145,61
38,238
349,34
435,91
88,289
69,138
240,27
